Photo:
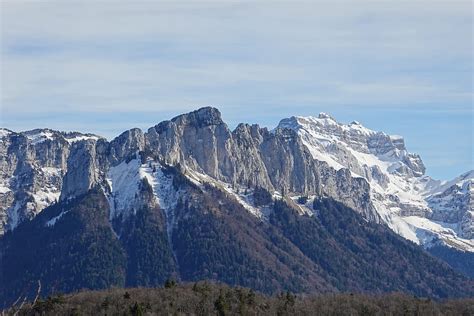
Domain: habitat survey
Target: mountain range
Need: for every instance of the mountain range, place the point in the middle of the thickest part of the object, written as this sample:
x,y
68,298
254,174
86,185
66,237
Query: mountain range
x,y
313,205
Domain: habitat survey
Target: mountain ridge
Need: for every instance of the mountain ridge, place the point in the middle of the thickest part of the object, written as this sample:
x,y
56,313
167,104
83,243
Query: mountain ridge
x,y
410,202
429,200
192,199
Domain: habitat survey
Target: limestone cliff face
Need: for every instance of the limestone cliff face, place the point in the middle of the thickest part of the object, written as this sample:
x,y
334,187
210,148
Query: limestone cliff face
x,y
453,203
127,143
32,168
83,170
252,156
199,140
369,171
41,166
411,203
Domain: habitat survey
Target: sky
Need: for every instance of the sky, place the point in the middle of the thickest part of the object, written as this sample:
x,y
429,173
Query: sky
x,y
402,67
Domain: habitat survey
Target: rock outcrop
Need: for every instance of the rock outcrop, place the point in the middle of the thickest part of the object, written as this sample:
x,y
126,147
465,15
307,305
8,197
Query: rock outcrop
x,y
33,165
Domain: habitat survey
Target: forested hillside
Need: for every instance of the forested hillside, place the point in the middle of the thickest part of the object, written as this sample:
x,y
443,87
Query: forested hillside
x,y
215,238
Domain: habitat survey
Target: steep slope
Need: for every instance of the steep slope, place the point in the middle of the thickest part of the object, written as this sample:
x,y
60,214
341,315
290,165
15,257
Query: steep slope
x,y
460,260
363,256
205,238
190,199
250,156
453,202
214,237
68,246
412,204
32,167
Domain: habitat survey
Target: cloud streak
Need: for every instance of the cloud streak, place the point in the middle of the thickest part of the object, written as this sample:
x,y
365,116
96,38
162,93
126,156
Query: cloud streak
x,y
251,59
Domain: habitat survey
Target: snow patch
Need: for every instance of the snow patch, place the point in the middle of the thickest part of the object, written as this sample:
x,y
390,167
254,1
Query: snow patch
x,y
39,137
396,137
13,215
307,207
74,139
246,200
4,132
164,192
45,197
51,171
427,230
4,189
53,220
123,181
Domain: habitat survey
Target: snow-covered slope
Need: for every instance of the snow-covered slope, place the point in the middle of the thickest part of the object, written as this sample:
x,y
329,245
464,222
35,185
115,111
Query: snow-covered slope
x,y
124,184
124,181
414,205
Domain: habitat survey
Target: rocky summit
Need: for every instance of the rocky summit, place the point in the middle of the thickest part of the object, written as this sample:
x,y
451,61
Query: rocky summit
x,y
288,208
369,171
414,205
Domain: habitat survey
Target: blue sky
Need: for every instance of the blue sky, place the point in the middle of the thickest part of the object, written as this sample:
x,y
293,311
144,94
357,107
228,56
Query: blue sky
x,y
403,67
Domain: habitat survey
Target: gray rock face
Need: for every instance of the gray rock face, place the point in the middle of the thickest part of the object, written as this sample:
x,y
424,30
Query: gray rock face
x,y
455,205
252,156
32,172
32,167
415,164
374,172
199,140
127,143
83,170
366,170
404,197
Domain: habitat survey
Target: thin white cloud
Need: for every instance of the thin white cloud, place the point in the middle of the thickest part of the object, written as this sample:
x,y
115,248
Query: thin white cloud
x,y
89,57
106,50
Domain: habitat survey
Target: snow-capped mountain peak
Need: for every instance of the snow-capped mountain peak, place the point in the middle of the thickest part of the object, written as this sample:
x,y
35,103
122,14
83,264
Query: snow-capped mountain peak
x,y
411,203
369,171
